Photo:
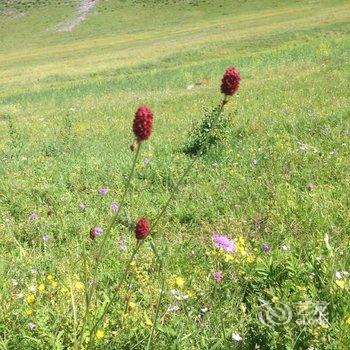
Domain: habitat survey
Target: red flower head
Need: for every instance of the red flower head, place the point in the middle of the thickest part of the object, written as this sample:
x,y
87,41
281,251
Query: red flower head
x,y
143,122
142,228
230,81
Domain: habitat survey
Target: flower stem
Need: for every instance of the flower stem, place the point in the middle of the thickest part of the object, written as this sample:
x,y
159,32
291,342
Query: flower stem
x,y
90,292
154,323
116,215
115,294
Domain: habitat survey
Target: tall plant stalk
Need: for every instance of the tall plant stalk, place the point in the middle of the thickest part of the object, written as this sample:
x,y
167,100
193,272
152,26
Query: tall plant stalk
x,y
151,232
98,260
154,323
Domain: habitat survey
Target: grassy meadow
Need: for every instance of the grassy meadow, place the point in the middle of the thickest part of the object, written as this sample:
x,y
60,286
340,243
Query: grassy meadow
x,y
280,177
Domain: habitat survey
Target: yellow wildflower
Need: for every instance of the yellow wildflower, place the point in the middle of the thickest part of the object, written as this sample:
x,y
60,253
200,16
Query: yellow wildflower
x,y
179,282
347,321
131,305
323,325
79,285
49,277
190,293
148,322
41,287
64,290
54,284
340,283
250,258
228,257
29,312
314,331
241,241
240,244
100,334
30,298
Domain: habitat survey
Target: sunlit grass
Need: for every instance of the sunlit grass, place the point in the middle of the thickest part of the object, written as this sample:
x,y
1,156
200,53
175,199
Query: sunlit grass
x,y
66,105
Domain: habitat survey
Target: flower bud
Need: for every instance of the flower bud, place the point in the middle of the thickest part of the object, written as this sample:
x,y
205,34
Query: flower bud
x,y
143,122
230,81
142,228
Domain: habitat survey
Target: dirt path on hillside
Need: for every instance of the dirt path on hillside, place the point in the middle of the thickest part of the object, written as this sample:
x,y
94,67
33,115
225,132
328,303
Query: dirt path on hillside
x,y
83,9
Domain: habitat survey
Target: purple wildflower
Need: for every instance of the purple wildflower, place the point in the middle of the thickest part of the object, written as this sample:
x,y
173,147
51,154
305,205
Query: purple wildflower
x,y
265,248
33,216
114,207
95,231
217,275
222,241
46,237
146,160
98,230
103,191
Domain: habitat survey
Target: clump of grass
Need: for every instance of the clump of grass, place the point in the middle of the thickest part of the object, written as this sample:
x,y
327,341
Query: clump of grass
x,y
16,141
212,131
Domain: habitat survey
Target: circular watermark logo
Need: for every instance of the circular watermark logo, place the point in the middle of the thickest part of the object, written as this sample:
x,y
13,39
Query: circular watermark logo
x,y
273,315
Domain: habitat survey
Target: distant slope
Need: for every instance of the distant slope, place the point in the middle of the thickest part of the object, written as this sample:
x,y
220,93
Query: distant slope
x,y
13,7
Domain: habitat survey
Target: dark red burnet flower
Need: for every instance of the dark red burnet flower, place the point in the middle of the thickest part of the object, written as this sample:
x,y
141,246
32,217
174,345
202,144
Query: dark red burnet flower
x,y
143,122
230,81
142,228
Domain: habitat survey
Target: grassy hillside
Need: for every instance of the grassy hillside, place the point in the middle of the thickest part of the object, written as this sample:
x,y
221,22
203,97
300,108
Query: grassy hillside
x,y
67,101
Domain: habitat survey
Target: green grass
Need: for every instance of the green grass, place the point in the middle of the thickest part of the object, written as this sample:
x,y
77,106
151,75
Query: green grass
x,y
66,105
